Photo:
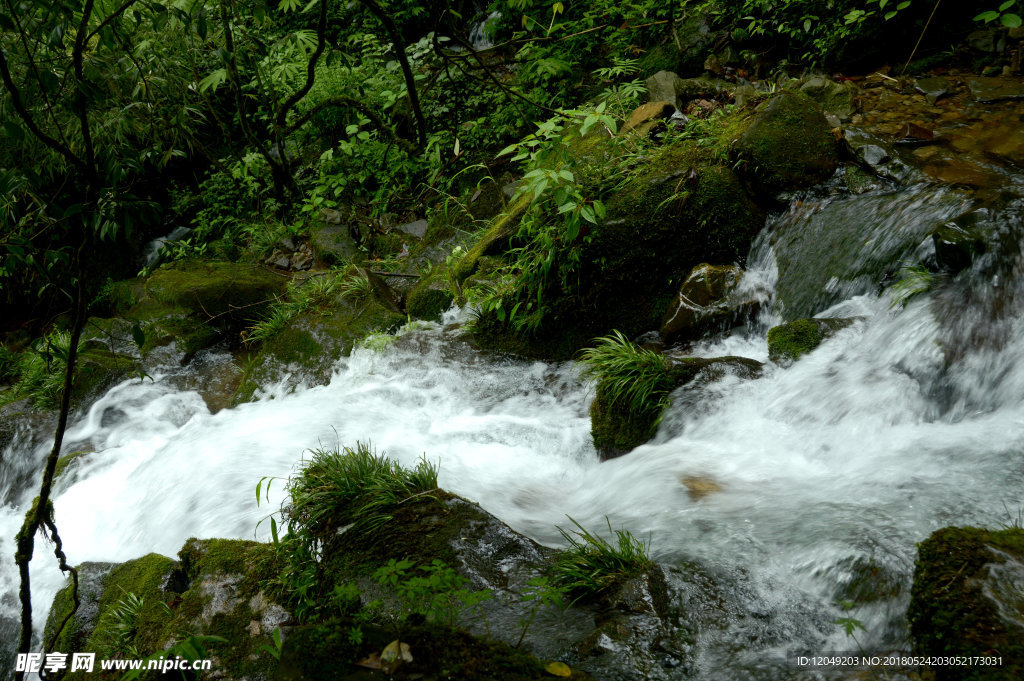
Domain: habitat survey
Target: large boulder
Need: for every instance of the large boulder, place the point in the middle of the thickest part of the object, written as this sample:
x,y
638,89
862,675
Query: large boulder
x,y
784,144
968,600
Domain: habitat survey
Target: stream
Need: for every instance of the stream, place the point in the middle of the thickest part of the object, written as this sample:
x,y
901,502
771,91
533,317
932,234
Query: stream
x,y
830,470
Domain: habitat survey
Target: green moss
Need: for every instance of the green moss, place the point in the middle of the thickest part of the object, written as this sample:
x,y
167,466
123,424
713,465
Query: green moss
x,y
494,240
65,461
222,293
784,144
313,341
145,578
950,613
617,428
788,342
429,298
97,370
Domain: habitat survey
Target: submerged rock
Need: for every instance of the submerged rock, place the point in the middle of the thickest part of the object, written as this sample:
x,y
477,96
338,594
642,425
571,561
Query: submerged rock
x,y
788,342
968,600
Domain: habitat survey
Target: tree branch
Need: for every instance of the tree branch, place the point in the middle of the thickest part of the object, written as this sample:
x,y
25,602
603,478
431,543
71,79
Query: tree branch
x,y
345,100
403,59
321,43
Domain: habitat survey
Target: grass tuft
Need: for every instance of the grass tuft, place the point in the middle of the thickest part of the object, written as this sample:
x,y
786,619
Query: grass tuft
x,y
592,566
357,487
628,374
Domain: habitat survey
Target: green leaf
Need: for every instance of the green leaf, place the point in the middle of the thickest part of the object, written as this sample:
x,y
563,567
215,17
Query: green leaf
x,y
1010,20
807,25
987,16
890,15
1006,5
139,336
903,5
214,80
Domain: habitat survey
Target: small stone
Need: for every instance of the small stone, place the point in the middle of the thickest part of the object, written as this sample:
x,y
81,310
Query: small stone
x,y
417,228
873,155
283,262
932,88
699,487
652,111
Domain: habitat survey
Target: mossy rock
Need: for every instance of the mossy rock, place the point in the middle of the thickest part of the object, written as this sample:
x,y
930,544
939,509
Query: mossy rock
x,y
966,601
681,207
75,634
784,144
223,294
325,652
430,298
102,588
617,429
788,342
308,347
97,370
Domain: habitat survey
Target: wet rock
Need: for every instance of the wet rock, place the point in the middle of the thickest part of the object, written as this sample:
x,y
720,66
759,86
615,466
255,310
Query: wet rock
x,y
707,301
956,247
985,40
988,90
788,342
429,298
873,155
92,578
417,228
336,240
967,599
644,117
218,292
666,86
933,88
912,134
838,99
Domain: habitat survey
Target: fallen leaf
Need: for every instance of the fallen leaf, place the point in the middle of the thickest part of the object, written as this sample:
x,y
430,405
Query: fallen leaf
x,y
558,669
395,653
372,662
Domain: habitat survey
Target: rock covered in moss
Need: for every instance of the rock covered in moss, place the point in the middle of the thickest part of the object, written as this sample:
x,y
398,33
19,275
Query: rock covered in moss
x,y
225,293
967,600
140,607
429,298
788,342
618,429
785,144
309,345
835,99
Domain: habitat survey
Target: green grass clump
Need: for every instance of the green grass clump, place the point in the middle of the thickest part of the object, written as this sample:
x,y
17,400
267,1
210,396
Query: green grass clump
x,y
913,281
356,487
628,375
592,566
39,372
301,297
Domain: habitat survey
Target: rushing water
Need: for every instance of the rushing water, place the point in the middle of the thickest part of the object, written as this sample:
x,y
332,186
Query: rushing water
x,y
830,470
